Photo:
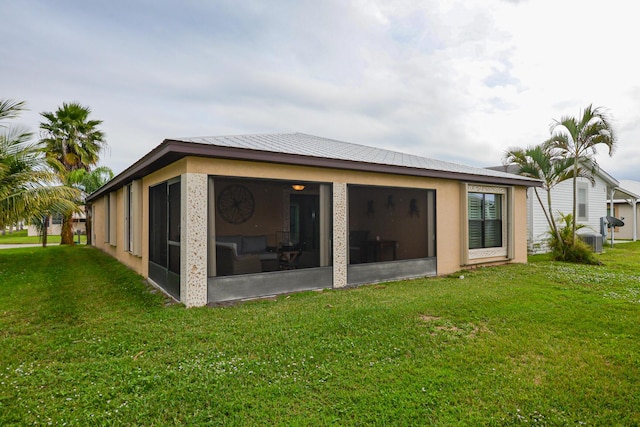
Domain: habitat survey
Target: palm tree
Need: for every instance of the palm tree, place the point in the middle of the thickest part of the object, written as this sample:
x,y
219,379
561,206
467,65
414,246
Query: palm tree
x,y
27,187
71,142
87,183
539,162
577,138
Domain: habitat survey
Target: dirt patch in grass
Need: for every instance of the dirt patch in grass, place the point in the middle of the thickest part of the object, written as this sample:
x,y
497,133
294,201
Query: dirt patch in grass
x,y
438,325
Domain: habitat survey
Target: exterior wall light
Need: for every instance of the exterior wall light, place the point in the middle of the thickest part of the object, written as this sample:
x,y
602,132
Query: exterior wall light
x,y
298,187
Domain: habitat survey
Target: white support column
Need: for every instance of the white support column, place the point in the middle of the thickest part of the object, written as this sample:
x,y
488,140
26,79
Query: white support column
x,y
635,219
611,212
193,239
511,226
340,238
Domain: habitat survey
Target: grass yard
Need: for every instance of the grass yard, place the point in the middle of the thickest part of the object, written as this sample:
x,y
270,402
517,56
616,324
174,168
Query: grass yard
x,y
83,341
20,237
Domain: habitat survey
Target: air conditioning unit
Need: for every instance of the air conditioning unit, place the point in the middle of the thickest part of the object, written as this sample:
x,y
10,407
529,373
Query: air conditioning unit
x,y
593,240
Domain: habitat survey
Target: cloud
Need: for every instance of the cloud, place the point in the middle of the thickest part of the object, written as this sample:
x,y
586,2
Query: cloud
x,y
452,80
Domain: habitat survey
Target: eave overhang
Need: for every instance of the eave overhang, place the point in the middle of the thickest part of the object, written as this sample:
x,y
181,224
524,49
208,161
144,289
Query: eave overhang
x,y
172,150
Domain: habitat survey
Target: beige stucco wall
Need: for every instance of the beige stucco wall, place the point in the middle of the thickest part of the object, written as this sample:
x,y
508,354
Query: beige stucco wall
x,y
625,210
448,206
139,264
520,224
98,222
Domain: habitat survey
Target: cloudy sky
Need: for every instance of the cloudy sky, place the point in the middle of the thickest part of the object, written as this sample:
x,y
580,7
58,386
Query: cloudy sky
x,y
453,80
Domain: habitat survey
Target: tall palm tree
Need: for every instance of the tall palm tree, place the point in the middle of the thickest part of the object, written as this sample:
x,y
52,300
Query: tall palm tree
x,y
71,142
577,138
539,162
87,183
27,187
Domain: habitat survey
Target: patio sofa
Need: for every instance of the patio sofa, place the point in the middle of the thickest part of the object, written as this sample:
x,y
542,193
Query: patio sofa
x,y
244,255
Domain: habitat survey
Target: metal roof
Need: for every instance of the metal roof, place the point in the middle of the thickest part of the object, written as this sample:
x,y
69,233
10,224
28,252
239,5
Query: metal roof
x,y
628,189
306,150
598,171
314,146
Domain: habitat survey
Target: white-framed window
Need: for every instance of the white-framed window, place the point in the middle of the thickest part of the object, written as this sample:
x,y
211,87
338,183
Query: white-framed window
x,y
485,220
487,229
583,201
132,194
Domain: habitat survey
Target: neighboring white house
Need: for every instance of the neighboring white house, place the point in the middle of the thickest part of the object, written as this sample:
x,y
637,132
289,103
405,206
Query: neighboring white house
x,y
625,203
592,207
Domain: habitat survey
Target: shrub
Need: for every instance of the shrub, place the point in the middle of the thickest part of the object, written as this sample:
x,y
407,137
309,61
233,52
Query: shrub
x,y
566,249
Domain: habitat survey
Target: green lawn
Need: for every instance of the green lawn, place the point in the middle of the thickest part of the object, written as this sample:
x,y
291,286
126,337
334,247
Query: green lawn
x,y
83,341
20,237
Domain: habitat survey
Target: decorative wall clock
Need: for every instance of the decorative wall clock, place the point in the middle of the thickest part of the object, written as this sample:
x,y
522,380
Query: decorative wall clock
x,y
236,204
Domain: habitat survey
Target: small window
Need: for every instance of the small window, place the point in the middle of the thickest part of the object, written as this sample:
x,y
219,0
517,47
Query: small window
x,y
56,218
583,205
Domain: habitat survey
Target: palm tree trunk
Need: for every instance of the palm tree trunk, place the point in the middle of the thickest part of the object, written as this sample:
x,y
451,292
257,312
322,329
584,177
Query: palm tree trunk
x,y
544,210
87,224
45,222
66,235
554,226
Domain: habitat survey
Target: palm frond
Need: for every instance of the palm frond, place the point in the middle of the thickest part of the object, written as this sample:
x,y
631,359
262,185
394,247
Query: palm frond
x,y
10,109
71,138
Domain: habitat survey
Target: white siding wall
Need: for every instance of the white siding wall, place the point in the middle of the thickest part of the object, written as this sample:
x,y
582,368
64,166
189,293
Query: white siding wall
x,y
562,202
597,205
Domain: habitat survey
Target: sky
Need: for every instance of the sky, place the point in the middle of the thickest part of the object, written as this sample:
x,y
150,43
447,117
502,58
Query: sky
x,y
460,81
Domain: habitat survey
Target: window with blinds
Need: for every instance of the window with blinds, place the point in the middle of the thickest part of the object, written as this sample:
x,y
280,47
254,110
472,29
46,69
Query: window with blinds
x,y
583,197
485,220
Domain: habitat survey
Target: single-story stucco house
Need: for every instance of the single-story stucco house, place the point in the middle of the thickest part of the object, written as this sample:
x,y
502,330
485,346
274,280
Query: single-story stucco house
x,y
234,217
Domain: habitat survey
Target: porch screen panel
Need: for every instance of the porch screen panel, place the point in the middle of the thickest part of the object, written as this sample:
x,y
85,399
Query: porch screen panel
x,y
174,212
158,224
174,259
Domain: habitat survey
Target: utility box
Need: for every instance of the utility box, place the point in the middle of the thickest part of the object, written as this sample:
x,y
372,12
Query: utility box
x,y
594,240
